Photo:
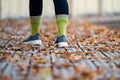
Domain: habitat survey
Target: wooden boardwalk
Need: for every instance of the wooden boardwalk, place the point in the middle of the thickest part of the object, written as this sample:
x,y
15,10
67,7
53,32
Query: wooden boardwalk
x,y
93,53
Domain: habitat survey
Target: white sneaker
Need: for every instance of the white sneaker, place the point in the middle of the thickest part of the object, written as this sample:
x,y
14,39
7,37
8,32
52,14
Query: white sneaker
x,y
33,40
61,41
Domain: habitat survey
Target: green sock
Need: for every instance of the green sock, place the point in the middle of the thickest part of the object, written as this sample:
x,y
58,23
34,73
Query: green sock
x,y
35,24
62,21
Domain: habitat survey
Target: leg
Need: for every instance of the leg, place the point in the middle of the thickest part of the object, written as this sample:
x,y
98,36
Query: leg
x,y
61,7
62,12
35,7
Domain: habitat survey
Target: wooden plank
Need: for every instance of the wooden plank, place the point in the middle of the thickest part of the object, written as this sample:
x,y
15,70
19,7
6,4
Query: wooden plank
x,y
101,64
3,66
71,50
90,64
108,54
45,73
116,54
112,56
5,63
106,67
99,54
6,71
112,65
64,72
86,63
98,65
14,69
3,43
81,47
117,62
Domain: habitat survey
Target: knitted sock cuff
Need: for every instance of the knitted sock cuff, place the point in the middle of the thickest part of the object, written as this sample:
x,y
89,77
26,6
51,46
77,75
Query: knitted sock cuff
x,y
35,19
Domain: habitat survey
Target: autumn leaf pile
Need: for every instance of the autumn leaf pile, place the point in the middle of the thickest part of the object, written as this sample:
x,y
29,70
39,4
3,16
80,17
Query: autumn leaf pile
x,y
85,40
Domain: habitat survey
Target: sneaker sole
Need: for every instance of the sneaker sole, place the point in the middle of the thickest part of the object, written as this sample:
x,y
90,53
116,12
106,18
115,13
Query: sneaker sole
x,y
63,44
33,42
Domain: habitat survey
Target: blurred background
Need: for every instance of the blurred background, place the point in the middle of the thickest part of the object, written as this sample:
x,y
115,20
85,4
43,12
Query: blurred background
x,y
103,12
